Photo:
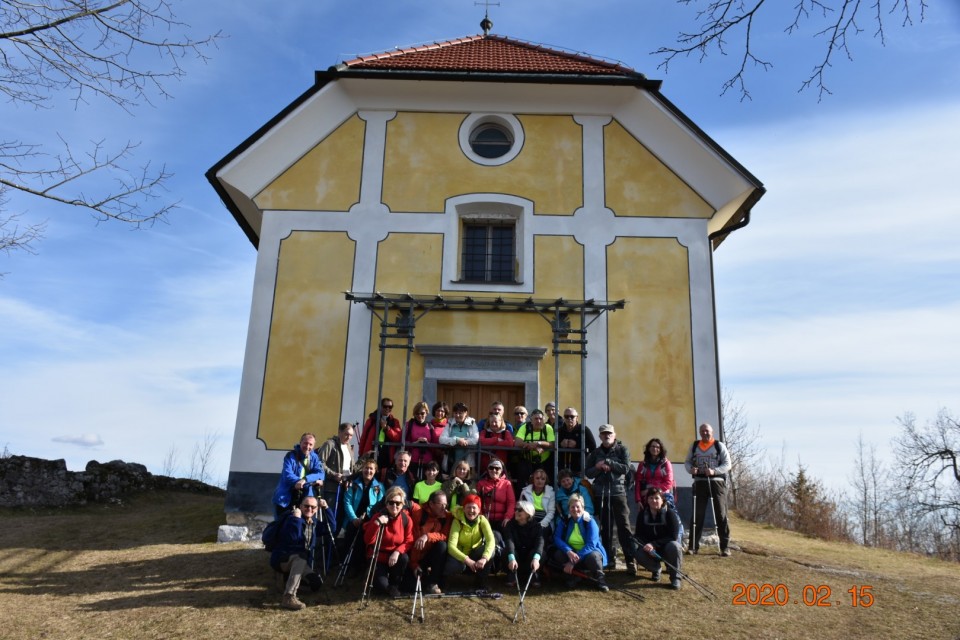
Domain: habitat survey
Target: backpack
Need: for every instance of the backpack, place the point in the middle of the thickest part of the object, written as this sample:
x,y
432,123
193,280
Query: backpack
x,y
271,533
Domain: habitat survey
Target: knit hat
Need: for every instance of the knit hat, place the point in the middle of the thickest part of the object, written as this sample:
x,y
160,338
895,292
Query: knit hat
x,y
472,498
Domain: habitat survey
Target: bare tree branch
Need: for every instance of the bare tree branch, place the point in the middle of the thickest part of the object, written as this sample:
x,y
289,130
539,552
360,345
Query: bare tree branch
x,y
726,26
121,51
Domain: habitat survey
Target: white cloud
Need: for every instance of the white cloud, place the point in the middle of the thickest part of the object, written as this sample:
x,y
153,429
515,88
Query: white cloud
x,y
83,440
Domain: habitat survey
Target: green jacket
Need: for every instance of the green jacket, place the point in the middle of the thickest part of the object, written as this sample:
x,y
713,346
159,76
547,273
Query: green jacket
x,y
465,537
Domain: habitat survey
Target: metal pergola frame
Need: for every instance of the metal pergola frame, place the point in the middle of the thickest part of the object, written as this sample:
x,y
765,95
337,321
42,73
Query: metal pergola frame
x,y
408,308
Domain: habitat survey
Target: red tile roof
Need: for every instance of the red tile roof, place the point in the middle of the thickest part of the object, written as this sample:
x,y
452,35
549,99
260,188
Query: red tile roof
x,y
489,54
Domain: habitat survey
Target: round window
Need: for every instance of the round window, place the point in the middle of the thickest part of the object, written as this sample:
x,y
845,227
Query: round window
x,y
491,140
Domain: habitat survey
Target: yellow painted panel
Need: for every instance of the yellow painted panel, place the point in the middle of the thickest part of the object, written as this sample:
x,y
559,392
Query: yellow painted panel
x,y
651,383
303,381
638,184
406,262
558,273
425,165
327,178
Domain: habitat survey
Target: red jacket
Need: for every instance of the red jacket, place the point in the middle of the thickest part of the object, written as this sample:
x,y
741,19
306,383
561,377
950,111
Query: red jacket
x,y
490,439
497,501
436,530
397,535
370,429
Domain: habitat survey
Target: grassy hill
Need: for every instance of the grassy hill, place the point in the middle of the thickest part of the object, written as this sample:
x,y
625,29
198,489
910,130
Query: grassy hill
x,y
149,568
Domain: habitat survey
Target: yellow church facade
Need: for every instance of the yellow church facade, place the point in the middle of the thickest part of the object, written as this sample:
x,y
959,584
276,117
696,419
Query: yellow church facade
x,y
478,205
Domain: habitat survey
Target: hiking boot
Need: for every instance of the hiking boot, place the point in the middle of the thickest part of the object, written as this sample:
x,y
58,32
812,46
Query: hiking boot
x,y
535,583
655,576
726,553
675,583
511,582
393,592
434,589
603,587
314,580
692,552
291,602
632,568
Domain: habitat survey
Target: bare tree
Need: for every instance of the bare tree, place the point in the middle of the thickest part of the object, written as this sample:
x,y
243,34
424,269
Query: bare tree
x,y
121,51
170,462
733,27
870,504
201,460
930,465
743,442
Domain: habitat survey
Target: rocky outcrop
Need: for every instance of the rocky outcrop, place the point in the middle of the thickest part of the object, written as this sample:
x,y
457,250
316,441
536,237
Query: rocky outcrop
x,y
33,482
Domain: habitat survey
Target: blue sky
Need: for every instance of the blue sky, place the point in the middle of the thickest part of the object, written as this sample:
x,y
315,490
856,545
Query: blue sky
x,y
837,307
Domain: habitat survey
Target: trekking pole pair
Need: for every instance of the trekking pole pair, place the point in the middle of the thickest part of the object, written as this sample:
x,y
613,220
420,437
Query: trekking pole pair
x,y
417,595
704,591
694,545
372,569
523,594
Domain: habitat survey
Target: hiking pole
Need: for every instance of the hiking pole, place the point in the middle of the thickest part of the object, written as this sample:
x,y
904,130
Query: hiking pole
x,y
713,504
704,591
692,547
523,594
372,570
332,541
345,565
581,574
417,595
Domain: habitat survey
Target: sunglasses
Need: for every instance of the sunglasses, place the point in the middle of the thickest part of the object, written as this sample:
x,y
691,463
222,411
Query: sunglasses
x,y
387,406
493,468
395,503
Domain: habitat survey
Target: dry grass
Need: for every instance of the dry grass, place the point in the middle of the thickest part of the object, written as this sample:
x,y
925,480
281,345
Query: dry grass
x,y
148,569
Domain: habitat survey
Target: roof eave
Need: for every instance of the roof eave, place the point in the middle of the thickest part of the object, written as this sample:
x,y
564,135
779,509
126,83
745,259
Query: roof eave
x,y
613,79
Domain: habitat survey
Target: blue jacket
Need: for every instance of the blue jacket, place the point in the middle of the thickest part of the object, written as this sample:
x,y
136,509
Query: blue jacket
x,y
354,497
291,541
563,497
290,475
588,530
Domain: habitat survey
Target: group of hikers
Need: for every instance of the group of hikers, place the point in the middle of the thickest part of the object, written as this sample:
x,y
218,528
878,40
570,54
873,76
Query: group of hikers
x,y
421,503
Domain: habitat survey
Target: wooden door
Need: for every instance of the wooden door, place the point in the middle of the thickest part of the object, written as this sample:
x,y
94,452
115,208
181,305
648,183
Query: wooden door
x,y
479,396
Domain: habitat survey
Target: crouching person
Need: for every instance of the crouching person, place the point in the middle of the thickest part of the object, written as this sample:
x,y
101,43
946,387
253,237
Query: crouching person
x,y
394,531
471,544
431,528
657,531
523,546
577,546
293,553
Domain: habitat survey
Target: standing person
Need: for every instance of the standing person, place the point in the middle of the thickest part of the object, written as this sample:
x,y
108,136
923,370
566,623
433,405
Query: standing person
x,y
709,463
376,433
394,527
569,485
496,494
302,473
552,417
294,551
429,485
441,418
576,545
519,416
399,475
419,436
523,546
497,407
493,436
607,468
654,472
431,529
536,440
472,543
575,437
658,528
542,496
336,455
459,438
459,484
362,499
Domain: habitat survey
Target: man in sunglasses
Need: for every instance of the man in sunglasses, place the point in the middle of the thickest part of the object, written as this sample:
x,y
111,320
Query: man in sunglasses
x,y
294,551
380,428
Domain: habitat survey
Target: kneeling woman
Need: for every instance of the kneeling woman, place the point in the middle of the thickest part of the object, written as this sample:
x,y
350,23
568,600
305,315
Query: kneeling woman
x,y
658,527
397,536
577,545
